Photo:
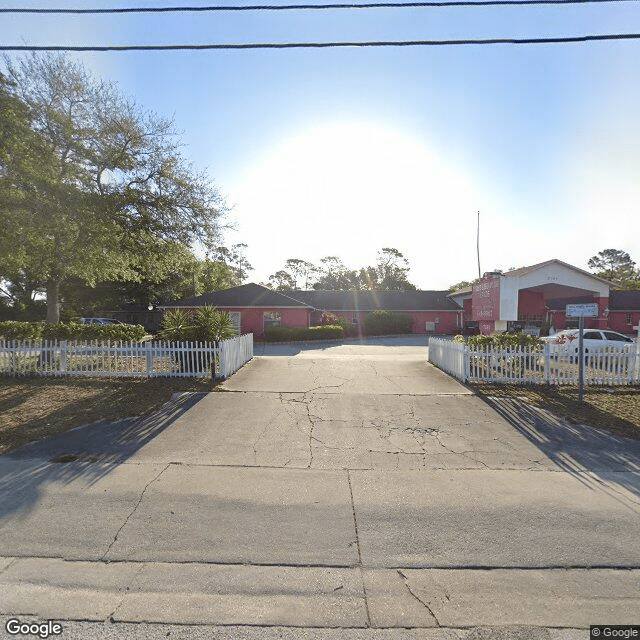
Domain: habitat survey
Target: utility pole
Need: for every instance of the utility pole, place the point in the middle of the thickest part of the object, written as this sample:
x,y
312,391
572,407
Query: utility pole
x,y
478,246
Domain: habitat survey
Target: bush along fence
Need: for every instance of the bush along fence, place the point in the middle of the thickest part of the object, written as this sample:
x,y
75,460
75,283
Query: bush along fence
x,y
120,359
533,363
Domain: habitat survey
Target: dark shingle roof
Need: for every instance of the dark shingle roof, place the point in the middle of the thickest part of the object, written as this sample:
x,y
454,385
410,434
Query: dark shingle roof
x,y
618,301
560,304
371,300
624,300
255,295
246,295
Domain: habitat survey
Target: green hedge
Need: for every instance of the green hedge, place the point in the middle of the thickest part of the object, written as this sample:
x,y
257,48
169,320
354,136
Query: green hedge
x,y
14,330
296,334
502,340
379,323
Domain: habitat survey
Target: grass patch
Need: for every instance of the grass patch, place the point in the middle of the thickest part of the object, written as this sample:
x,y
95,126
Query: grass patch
x,y
34,408
616,409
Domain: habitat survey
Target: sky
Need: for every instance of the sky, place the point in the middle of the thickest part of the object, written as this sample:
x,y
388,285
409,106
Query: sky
x,y
340,152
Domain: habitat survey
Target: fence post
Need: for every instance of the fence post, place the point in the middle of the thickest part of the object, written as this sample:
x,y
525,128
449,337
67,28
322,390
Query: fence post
x,y
64,354
149,357
547,363
467,361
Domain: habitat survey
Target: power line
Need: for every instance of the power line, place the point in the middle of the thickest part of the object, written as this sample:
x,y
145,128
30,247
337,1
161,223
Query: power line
x,y
327,45
306,7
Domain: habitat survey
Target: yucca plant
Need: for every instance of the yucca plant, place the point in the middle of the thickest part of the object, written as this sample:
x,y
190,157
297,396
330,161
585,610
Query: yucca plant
x,y
211,325
207,324
176,325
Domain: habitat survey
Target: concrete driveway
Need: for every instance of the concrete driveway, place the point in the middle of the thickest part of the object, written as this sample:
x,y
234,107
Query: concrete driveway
x,y
354,487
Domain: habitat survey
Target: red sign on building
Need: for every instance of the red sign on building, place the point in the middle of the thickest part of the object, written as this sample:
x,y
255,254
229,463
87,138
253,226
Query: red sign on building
x,y
485,302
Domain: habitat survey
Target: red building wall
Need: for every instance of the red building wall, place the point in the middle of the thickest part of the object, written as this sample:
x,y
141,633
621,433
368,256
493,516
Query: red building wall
x,y
531,304
252,319
618,321
446,321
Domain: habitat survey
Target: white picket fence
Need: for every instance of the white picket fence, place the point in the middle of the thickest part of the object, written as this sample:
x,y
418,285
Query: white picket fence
x,y
234,353
118,359
534,365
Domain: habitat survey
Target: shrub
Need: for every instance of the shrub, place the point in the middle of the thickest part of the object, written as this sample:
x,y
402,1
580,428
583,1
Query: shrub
x,y
207,324
504,340
296,334
71,331
211,325
16,330
385,322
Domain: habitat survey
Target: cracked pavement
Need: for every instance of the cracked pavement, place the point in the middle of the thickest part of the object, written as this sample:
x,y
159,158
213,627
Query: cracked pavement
x,y
352,488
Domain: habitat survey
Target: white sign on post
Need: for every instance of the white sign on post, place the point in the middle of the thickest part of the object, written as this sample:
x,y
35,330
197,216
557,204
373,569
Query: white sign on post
x,y
582,310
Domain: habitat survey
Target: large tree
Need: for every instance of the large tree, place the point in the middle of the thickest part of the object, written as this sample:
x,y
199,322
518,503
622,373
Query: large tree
x,y
388,274
335,276
616,265
112,197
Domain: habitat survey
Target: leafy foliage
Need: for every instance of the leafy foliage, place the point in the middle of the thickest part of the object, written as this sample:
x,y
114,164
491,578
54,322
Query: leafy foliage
x,y
98,190
388,274
383,322
207,324
14,330
503,340
617,266
296,334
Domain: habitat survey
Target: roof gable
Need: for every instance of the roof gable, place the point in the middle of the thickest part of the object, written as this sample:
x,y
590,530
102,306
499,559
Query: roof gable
x,y
534,267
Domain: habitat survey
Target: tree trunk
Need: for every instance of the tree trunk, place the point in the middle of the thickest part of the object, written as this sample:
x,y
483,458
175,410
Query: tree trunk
x,y
53,301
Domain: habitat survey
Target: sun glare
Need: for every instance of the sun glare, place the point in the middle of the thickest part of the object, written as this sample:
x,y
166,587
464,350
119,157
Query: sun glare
x,y
347,190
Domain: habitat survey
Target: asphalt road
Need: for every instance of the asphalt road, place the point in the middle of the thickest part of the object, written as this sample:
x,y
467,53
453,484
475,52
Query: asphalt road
x,y
352,490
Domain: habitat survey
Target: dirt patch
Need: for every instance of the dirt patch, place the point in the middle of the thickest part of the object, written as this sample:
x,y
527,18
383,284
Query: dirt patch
x,y
616,409
34,408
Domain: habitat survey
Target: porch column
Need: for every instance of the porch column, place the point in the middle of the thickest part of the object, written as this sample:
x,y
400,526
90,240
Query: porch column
x,y
602,322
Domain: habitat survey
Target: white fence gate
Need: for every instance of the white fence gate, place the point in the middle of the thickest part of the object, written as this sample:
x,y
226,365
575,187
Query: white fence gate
x,y
118,359
534,365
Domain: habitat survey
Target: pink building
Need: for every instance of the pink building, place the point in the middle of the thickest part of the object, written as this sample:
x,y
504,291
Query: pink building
x,y
253,307
530,297
527,298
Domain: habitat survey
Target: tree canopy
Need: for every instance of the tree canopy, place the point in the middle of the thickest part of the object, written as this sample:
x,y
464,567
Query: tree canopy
x,y
94,188
389,273
617,266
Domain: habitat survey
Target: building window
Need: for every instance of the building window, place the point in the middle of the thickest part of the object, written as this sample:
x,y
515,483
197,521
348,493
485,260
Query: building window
x,y
236,318
271,319
354,319
629,320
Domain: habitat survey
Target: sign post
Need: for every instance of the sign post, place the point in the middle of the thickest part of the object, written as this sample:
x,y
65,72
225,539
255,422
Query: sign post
x,y
581,311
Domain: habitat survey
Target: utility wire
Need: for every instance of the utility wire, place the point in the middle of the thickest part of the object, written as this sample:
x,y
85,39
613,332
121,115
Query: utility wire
x,y
305,7
327,45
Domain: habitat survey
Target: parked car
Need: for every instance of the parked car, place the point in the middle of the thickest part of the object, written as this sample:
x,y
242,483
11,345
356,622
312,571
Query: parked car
x,y
595,341
99,321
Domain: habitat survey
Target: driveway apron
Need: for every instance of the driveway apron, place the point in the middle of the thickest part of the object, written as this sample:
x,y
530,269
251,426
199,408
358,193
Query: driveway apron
x,y
333,486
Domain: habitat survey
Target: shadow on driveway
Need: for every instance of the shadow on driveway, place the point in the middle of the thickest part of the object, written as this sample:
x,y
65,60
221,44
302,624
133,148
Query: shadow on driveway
x,y
609,460
94,451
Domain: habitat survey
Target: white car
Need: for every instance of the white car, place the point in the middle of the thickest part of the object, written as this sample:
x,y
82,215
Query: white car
x,y
99,321
595,341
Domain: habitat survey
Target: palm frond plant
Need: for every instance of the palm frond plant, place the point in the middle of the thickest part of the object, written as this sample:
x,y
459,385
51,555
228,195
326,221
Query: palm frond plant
x,y
212,325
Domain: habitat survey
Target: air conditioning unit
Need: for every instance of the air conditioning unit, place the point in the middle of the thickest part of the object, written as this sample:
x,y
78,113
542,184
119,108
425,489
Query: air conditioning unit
x,y
430,327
